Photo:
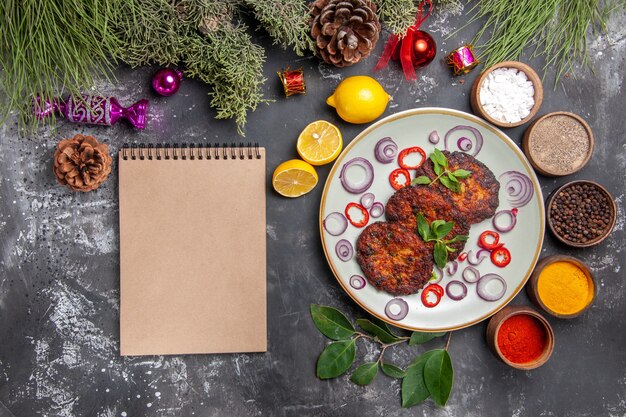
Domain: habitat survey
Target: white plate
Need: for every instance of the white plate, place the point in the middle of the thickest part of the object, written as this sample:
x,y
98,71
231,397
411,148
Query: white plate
x,y
500,154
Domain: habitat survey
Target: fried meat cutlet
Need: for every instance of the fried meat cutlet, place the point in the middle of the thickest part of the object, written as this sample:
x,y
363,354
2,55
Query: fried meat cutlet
x,y
394,259
478,199
404,206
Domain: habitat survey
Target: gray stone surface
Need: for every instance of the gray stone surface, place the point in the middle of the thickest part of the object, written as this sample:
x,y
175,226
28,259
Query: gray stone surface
x,y
59,263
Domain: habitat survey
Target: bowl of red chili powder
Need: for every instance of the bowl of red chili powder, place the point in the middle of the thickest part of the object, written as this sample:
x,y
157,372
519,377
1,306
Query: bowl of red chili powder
x,y
520,337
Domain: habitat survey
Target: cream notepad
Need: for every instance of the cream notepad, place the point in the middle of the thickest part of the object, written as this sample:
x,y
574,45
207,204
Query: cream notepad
x,y
192,250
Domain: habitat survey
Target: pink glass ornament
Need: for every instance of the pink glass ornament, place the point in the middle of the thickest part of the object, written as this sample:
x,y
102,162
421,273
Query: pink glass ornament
x,y
166,81
94,110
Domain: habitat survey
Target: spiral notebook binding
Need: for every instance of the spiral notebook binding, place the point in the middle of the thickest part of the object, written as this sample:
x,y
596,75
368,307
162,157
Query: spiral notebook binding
x,y
190,151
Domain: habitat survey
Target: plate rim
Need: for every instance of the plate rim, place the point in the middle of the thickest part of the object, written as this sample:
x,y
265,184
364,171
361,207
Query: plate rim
x,y
467,116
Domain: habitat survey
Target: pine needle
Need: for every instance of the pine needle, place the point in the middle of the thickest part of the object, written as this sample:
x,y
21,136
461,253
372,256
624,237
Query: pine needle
x,y
397,15
150,32
286,21
52,47
224,57
554,29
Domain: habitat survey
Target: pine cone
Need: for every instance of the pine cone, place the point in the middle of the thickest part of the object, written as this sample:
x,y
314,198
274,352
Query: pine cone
x,y
344,31
82,163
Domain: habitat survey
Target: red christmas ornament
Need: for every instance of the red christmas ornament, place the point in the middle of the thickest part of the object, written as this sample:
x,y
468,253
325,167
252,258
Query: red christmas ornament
x,y
415,49
424,49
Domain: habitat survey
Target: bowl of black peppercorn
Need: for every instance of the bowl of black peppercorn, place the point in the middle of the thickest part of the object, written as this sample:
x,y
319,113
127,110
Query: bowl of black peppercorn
x,y
581,213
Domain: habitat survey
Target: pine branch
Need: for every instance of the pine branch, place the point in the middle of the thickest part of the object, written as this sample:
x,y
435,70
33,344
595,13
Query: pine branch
x,y
150,32
286,21
49,48
224,57
397,15
556,29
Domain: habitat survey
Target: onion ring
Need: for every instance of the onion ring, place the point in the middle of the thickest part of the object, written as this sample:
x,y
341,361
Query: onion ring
x,y
452,268
477,145
456,290
357,282
519,188
483,282
335,223
478,258
464,143
404,309
511,214
385,150
439,276
377,209
365,183
344,250
367,200
434,137
471,274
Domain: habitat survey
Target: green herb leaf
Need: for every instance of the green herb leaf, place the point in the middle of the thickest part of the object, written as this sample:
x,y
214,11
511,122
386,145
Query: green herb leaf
x,y
440,254
336,359
384,335
392,370
422,227
422,358
414,389
365,374
439,376
438,168
450,249
443,229
382,325
445,181
331,322
417,338
452,178
440,158
461,173
457,238
422,179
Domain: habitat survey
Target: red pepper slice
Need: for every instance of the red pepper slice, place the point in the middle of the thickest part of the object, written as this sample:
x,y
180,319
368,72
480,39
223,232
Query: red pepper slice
x,y
399,178
434,289
501,257
365,216
406,152
462,256
489,240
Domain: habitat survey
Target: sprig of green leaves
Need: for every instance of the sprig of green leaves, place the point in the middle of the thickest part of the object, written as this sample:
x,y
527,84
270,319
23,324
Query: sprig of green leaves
x,y
428,375
447,178
436,232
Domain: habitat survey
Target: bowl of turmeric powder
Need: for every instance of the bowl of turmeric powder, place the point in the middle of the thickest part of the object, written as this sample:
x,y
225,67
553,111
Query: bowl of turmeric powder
x,y
562,286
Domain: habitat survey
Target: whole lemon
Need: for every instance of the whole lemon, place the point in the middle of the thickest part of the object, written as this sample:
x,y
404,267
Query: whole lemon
x,y
359,99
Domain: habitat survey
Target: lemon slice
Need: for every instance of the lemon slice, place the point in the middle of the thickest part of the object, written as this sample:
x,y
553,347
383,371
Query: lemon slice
x,y
320,143
294,178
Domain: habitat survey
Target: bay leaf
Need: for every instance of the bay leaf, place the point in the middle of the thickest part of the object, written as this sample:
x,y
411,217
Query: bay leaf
x,y
439,376
365,374
383,334
331,322
392,370
336,359
417,338
414,389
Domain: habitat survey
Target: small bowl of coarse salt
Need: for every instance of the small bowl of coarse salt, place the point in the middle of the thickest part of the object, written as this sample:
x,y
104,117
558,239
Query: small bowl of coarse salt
x,y
507,94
